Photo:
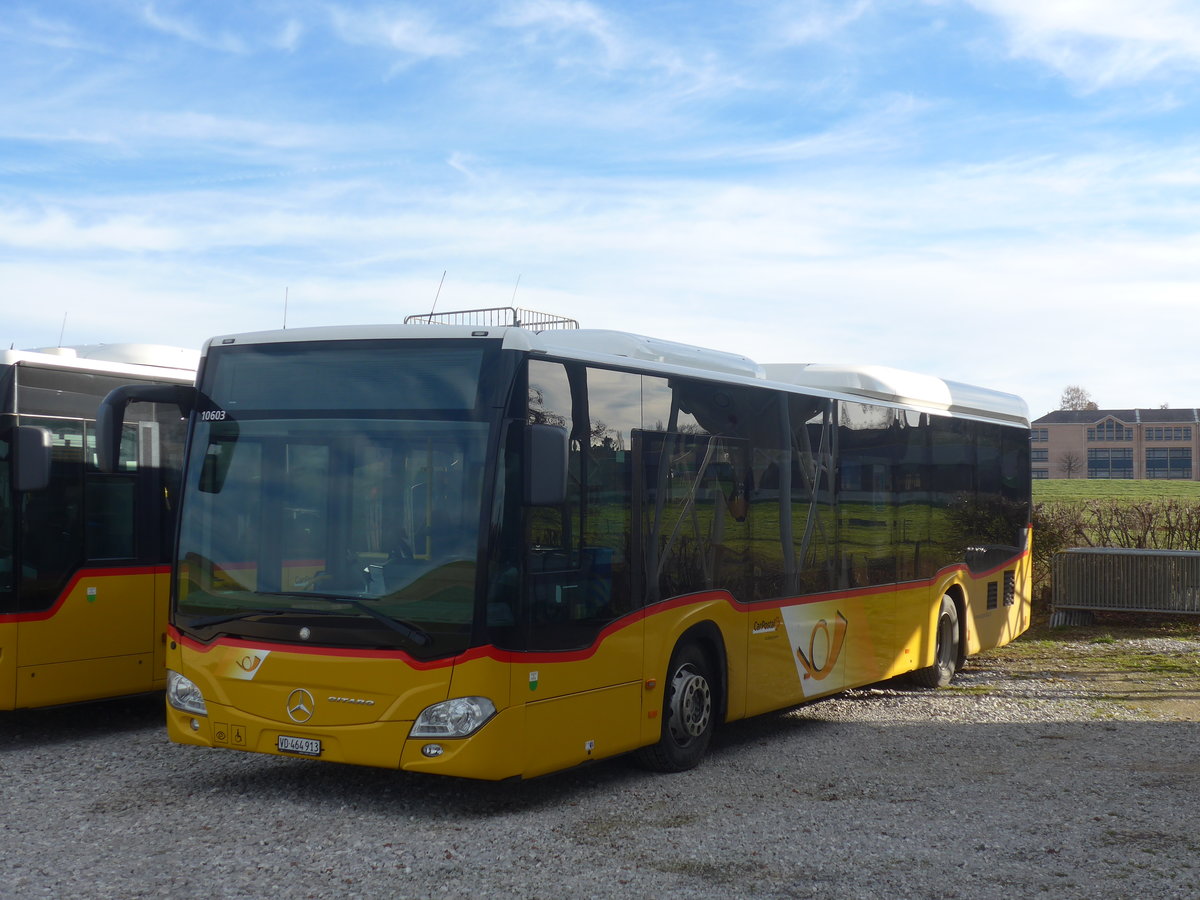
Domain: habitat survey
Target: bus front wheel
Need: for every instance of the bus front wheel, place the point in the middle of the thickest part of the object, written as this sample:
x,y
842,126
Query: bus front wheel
x,y
945,657
688,715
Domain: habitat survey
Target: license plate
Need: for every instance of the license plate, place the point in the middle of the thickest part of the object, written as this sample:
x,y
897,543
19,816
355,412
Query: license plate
x,y
303,746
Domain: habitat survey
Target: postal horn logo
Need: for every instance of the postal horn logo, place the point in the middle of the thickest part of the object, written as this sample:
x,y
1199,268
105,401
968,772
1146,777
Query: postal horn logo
x,y
249,662
300,706
823,649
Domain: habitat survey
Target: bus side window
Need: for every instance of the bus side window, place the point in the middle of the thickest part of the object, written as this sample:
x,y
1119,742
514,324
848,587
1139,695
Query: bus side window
x,y
51,519
552,532
7,547
110,509
573,548
110,501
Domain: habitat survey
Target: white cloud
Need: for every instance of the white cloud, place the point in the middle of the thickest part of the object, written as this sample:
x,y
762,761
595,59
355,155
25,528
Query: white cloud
x,y
187,30
1102,43
58,231
814,21
886,125
289,35
564,19
665,66
37,28
190,126
406,31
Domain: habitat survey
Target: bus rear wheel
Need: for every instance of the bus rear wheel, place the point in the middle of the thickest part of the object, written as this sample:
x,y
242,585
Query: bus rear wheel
x,y
945,656
688,715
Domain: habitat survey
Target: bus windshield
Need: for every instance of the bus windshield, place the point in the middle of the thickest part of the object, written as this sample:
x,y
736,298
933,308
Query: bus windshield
x,y
353,527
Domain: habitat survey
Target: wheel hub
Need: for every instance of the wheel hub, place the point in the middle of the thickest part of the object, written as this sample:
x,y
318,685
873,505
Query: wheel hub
x,y
691,705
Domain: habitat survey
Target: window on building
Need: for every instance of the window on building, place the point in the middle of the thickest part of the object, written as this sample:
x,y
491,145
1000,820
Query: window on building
x,y
1110,464
1110,430
1041,473
1039,434
1175,462
1161,433
1039,455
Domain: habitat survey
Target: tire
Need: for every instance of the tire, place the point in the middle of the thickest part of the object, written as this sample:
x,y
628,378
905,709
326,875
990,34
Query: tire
x,y
688,715
945,654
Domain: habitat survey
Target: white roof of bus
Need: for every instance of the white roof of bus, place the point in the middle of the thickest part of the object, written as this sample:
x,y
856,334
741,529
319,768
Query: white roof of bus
x,y
907,388
617,348
142,360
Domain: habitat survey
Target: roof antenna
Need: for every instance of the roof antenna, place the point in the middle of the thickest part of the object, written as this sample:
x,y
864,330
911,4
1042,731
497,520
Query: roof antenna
x,y
515,286
439,292
285,299
62,330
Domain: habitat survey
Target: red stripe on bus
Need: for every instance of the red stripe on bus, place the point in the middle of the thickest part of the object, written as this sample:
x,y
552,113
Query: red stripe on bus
x,y
79,576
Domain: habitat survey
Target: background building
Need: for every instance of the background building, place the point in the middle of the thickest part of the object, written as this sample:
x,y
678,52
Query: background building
x,y
1116,443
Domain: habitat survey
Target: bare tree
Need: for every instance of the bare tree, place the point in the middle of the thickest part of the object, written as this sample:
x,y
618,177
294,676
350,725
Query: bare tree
x,y
1070,463
538,414
1075,397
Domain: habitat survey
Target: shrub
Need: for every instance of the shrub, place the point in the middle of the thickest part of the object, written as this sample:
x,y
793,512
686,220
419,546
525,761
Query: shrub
x,y
1146,524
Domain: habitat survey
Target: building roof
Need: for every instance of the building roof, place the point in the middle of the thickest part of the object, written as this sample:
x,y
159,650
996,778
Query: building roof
x,y
1125,416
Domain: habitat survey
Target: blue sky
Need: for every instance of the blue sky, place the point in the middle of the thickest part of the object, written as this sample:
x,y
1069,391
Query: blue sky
x,y
1003,192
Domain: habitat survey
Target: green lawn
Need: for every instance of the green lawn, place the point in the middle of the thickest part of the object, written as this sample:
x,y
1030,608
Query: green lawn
x,y
1074,490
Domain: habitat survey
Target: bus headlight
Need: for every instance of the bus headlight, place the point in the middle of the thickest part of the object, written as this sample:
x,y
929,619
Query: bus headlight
x,y
184,695
455,718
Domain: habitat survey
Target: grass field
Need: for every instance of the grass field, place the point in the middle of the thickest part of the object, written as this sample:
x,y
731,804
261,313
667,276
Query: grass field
x,y
1075,490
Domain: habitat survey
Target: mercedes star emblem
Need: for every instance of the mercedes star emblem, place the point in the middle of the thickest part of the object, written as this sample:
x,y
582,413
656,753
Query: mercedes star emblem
x,y
300,706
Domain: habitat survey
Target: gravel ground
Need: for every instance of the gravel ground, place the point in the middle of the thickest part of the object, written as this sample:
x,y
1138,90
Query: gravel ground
x,y
1009,784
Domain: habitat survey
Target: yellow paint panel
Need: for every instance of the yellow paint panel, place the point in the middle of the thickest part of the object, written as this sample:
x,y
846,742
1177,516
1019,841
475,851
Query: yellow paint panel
x,y
106,639
91,679
484,677
546,675
162,599
772,665
8,664
996,627
580,728
102,616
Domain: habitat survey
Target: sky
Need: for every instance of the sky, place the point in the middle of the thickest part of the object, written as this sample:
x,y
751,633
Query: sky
x,y
999,192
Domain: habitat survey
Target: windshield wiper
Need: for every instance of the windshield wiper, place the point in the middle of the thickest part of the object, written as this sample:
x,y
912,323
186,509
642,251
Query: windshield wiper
x,y
410,630
413,632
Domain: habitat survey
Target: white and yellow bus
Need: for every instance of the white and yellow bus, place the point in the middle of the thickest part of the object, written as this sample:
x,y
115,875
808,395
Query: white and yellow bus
x,y
85,555
493,552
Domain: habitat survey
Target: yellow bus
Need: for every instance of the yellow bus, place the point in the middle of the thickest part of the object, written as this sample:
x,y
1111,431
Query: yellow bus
x,y
85,555
497,552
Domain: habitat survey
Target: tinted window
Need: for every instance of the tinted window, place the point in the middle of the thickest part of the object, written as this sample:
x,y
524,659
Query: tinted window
x,y
354,375
767,494
693,514
51,520
65,392
813,522
7,538
577,565
869,444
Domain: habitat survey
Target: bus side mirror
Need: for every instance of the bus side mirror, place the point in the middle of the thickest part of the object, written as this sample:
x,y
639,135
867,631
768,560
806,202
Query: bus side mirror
x,y
545,465
111,415
217,458
31,458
